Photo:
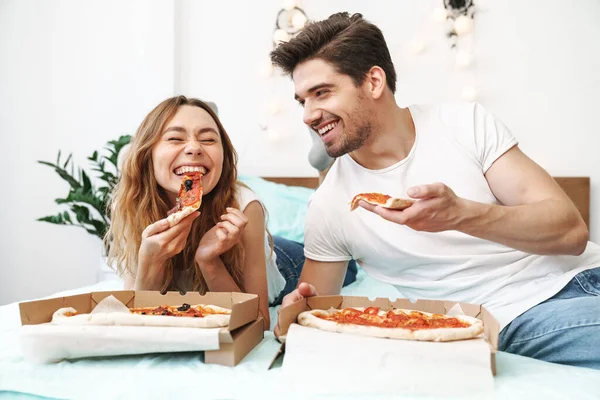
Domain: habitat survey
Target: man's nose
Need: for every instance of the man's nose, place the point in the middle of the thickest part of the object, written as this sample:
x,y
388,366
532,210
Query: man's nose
x,y
311,115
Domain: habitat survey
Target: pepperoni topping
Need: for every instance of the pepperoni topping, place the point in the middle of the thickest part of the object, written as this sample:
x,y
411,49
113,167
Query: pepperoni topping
x,y
413,320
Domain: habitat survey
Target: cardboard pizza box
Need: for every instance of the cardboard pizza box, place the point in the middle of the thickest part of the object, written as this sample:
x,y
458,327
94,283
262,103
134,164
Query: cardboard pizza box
x,y
289,315
244,332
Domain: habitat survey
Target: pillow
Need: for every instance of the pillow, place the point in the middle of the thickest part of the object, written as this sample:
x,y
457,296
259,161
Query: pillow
x,y
286,206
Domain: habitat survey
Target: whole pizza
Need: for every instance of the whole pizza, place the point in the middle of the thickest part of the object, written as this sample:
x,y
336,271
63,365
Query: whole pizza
x,y
185,315
393,324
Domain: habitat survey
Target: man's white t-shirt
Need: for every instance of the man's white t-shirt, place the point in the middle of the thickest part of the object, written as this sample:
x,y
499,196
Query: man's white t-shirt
x,y
455,144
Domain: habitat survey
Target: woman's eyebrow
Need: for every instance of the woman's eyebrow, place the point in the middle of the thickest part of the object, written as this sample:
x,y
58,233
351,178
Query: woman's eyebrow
x,y
183,130
175,128
207,129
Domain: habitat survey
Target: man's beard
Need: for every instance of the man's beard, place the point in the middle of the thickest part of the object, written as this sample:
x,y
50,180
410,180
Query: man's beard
x,y
351,140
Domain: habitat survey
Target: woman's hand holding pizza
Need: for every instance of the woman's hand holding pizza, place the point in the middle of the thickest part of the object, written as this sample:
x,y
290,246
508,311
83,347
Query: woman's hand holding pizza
x,y
222,237
438,209
159,243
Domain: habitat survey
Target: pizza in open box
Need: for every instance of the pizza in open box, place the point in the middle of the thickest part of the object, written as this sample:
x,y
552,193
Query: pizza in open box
x,y
197,316
394,324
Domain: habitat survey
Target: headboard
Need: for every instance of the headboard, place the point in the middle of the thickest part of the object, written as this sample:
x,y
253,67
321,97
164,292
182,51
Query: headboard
x,y
577,188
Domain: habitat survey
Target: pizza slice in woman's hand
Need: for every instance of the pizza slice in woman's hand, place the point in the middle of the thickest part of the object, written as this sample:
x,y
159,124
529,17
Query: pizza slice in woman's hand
x,y
189,200
379,199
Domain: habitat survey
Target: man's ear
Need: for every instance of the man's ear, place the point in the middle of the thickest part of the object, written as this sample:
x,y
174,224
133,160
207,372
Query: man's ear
x,y
376,81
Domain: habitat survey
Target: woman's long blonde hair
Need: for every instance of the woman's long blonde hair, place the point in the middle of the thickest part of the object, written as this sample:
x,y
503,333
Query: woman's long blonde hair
x,y
138,201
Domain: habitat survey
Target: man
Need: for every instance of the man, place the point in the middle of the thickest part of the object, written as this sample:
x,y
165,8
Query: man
x,y
488,225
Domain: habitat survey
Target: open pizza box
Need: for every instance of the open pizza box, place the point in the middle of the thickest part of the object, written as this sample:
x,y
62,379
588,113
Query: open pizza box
x,y
290,314
244,332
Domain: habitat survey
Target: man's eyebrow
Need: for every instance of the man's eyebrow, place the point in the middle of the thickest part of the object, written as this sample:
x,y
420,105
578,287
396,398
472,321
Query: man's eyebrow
x,y
318,86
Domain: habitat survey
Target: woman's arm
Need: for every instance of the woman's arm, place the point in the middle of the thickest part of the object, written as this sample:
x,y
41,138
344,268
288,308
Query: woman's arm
x,y
255,270
128,282
218,278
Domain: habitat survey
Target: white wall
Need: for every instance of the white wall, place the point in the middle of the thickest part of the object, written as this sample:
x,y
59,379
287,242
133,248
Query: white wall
x,y
73,75
76,74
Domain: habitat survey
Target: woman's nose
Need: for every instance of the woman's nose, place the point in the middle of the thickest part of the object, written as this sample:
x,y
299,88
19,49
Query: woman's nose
x,y
193,148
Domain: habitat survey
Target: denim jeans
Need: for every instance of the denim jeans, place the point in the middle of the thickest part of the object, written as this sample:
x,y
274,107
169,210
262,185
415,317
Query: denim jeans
x,y
290,260
564,329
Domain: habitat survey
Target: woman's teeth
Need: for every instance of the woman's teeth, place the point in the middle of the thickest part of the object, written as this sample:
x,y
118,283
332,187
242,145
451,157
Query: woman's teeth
x,y
186,169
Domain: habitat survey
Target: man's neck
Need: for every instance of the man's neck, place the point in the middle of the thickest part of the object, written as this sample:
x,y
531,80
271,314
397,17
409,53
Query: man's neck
x,y
391,140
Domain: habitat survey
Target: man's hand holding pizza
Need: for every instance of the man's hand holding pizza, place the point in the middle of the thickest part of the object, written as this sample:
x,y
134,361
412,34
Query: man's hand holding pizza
x,y
438,209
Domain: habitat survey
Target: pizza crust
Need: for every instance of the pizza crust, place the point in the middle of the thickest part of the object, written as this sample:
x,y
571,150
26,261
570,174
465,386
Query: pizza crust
x,y
396,203
393,203
178,216
62,317
307,318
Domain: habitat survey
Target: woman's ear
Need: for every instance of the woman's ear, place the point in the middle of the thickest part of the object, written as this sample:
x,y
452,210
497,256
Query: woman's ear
x,y
376,80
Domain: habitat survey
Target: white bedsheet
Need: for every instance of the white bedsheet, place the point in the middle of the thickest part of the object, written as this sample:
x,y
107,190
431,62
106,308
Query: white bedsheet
x,y
152,376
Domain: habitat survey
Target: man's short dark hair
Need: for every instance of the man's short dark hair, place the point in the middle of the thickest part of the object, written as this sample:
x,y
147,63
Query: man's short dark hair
x,y
348,42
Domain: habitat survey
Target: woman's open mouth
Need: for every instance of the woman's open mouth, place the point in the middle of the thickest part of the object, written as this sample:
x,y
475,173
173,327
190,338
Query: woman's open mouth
x,y
190,169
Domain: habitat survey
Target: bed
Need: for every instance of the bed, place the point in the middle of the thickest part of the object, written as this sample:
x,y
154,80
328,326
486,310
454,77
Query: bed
x,y
148,376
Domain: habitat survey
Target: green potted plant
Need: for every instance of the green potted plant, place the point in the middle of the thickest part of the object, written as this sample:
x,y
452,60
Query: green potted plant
x,y
86,202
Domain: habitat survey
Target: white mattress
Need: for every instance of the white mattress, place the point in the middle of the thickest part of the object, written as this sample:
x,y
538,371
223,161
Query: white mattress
x,y
141,376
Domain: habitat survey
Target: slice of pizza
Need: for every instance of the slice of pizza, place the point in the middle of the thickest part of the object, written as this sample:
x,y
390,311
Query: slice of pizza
x,y
189,200
382,200
393,324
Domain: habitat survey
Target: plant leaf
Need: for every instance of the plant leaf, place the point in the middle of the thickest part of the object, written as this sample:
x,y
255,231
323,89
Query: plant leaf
x,y
79,196
63,174
115,148
66,217
82,213
53,219
87,184
68,159
100,226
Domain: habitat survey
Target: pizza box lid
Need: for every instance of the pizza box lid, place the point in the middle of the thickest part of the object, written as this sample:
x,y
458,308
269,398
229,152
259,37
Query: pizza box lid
x,y
289,315
244,306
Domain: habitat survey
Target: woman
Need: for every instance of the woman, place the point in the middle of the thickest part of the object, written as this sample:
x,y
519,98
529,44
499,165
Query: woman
x,y
225,246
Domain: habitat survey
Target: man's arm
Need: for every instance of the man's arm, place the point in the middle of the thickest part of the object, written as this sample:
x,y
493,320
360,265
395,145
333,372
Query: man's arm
x,y
326,277
317,278
536,216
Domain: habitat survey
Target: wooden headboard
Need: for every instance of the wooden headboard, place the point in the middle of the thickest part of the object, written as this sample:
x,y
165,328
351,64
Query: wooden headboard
x,y
577,188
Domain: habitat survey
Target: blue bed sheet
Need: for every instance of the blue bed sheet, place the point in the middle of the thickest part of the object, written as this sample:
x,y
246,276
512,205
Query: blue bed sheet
x,y
286,206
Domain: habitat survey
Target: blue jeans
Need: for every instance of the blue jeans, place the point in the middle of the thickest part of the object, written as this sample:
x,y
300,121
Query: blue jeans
x,y
290,260
564,329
